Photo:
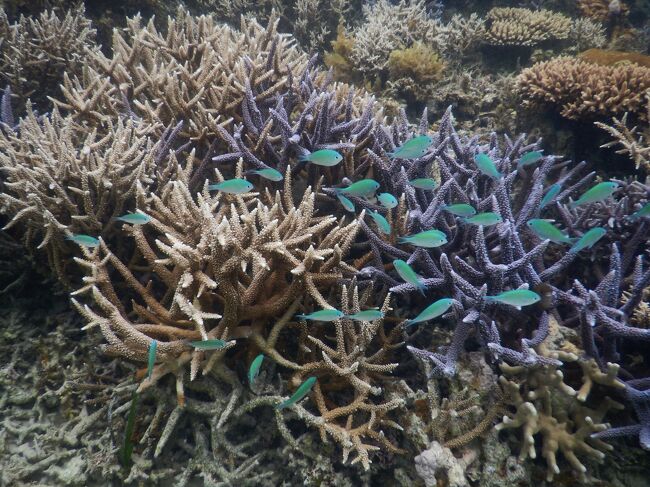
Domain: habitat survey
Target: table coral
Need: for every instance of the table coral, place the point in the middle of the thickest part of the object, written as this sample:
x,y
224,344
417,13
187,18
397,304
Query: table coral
x,y
524,27
582,91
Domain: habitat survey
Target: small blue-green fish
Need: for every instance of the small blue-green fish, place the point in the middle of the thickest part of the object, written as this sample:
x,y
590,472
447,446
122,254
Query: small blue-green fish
x,y
589,239
232,186
347,204
423,183
254,369
366,315
550,195
301,392
486,219
530,158
322,157
387,200
213,344
323,315
407,273
516,298
85,240
428,239
363,189
598,193
486,165
412,148
432,311
546,230
134,218
269,173
644,211
460,209
152,357
381,222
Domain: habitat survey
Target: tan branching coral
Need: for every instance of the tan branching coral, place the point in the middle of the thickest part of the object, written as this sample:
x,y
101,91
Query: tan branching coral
x,y
581,90
633,142
524,27
196,72
36,52
224,266
545,404
61,179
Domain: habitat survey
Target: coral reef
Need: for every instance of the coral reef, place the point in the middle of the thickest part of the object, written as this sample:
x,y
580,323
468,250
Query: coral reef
x,y
582,90
605,57
524,27
209,280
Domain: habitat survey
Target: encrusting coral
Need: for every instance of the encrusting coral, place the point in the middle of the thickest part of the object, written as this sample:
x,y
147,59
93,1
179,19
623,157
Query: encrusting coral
x,y
524,27
580,90
603,10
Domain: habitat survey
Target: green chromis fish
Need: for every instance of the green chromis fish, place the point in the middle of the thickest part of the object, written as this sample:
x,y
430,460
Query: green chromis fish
x,y
301,392
363,189
412,148
516,298
387,200
486,219
407,273
423,183
428,239
85,240
232,186
254,369
322,157
529,158
269,173
152,357
486,165
643,212
460,209
366,315
381,222
134,218
346,203
323,315
599,192
212,344
589,239
544,229
432,311
550,195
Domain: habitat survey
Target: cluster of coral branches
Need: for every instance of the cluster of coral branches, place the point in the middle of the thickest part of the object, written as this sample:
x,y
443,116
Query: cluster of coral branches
x,y
151,126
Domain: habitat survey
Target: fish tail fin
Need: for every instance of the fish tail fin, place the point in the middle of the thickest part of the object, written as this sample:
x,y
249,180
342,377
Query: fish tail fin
x,y
572,205
488,298
423,290
304,156
408,323
301,317
402,240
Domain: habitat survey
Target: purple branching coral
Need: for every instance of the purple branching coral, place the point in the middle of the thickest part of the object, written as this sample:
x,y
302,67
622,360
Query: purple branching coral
x,y
477,261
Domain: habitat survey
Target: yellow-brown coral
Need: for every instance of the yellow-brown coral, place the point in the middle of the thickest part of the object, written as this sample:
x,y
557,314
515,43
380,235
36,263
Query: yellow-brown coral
x,y
418,62
602,9
605,57
581,90
524,27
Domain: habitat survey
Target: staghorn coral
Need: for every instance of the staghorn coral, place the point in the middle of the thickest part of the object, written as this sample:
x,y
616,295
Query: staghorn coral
x,y
586,34
195,70
36,53
634,144
523,27
581,91
388,27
